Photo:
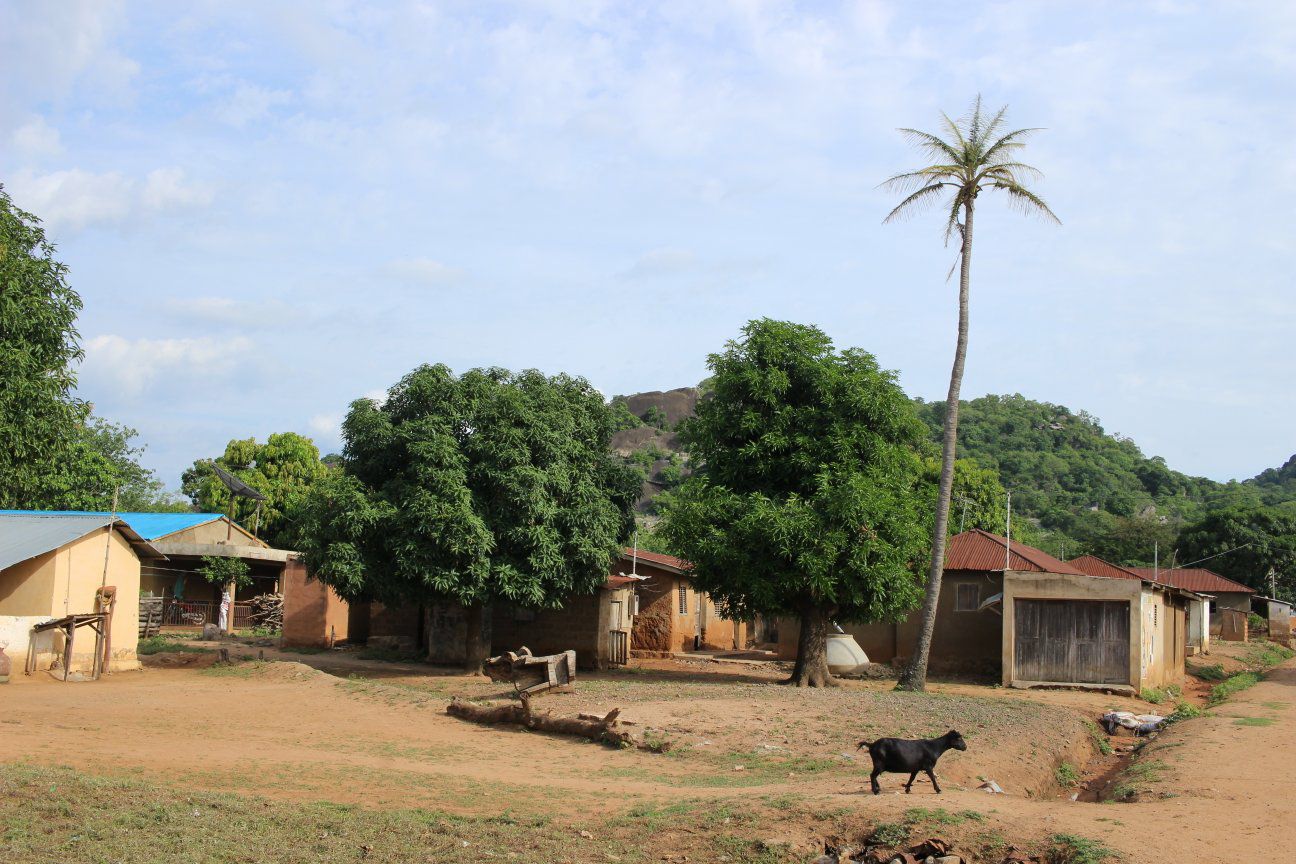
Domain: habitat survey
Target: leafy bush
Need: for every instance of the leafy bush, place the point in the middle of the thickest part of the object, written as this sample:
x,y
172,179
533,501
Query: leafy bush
x,y
655,416
219,570
1256,622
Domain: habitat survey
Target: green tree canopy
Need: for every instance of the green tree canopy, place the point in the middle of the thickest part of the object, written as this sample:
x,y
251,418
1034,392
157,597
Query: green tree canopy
x,y
40,419
1244,544
486,486
806,499
282,469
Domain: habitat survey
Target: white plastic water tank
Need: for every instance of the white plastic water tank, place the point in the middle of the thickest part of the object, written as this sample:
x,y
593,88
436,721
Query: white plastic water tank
x,y
845,656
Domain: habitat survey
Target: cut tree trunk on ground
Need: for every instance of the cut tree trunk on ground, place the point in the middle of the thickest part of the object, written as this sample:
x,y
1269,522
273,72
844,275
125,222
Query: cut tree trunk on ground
x,y
605,729
811,669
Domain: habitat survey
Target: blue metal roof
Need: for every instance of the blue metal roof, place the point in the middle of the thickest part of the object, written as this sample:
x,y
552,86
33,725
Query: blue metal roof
x,y
150,526
25,534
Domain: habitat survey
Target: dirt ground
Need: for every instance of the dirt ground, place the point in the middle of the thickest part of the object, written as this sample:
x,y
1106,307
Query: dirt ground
x,y
376,735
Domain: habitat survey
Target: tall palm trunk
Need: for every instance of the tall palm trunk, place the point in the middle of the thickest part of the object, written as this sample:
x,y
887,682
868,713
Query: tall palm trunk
x,y
915,675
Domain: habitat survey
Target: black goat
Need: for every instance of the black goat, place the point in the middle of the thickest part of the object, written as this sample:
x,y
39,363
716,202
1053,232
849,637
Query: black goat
x,y
903,756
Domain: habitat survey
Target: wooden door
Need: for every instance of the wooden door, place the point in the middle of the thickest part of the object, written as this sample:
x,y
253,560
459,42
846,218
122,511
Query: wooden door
x,y
1072,641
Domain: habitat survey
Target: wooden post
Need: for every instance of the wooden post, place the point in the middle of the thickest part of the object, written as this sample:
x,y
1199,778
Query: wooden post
x,y
67,648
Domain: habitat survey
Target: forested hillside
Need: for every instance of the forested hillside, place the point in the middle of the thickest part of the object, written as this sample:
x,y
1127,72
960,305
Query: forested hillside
x,y
1075,487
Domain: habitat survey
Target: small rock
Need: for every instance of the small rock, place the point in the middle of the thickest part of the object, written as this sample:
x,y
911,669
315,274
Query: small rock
x,y
826,859
991,786
740,768
587,835
949,859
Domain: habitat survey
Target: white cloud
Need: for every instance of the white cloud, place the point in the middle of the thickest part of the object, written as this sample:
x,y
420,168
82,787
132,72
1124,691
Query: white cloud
x,y
74,199
36,140
129,367
662,262
424,270
325,424
166,189
249,103
246,314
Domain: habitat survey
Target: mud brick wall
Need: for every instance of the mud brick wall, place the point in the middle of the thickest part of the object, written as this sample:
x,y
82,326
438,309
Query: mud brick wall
x,y
580,626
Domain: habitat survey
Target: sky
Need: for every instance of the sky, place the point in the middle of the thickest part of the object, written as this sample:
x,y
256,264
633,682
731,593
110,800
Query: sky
x,y
271,209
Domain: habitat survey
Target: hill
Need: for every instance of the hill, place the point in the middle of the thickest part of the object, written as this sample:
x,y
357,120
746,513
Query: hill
x,y
1086,488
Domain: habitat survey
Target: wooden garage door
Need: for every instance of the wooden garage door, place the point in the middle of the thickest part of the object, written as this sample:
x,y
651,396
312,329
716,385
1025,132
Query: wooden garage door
x,y
1072,641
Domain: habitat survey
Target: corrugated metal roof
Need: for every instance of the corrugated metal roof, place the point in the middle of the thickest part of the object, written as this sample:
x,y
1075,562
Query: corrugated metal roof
x,y
24,536
1197,579
1095,566
150,526
659,559
981,550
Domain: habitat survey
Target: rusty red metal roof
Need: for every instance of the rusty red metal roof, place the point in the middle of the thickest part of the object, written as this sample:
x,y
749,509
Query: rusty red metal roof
x,y
1095,566
658,559
1196,579
619,580
981,550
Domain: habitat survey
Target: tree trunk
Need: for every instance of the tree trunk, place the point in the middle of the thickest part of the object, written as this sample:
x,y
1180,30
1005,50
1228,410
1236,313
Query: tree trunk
x,y
811,669
915,674
606,729
475,649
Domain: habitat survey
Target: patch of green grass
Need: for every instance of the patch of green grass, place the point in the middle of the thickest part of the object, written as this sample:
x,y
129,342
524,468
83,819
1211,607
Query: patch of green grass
x,y
1264,655
1275,706
163,645
1214,672
1073,849
1254,721
1066,775
940,816
234,670
1233,684
1100,739
1185,711
890,834
1157,695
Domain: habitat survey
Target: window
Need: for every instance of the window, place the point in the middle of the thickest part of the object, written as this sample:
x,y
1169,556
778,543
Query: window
x,y
968,598
683,599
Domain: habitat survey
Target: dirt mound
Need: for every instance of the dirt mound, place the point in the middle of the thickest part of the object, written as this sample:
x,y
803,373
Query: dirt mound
x,y
179,660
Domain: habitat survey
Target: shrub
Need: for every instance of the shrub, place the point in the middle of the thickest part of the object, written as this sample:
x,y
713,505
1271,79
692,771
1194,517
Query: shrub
x,y
219,570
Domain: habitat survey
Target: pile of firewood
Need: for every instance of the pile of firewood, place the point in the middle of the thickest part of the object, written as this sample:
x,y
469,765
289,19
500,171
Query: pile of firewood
x,y
267,611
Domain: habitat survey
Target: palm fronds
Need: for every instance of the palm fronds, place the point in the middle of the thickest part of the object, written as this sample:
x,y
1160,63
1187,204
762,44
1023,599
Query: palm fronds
x,y
971,157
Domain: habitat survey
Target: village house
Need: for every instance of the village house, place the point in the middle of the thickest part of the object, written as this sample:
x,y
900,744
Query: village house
x,y
56,565
1019,614
647,607
188,599
1198,627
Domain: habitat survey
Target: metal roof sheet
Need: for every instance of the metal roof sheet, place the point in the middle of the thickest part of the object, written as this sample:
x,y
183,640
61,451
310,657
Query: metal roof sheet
x,y
1197,579
981,550
150,526
1095,566
24,536
658,559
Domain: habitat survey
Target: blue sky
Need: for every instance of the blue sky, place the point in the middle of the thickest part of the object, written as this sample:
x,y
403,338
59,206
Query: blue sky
x,y
271,209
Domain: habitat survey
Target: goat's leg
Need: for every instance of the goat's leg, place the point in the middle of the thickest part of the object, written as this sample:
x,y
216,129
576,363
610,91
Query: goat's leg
x,y
909,785
935,785
877,790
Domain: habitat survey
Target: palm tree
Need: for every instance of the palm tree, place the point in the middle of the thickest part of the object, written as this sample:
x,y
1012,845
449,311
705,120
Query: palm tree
x,y
973,157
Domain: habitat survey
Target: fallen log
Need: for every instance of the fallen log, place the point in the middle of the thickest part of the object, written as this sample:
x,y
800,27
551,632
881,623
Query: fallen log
x,y
605,729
